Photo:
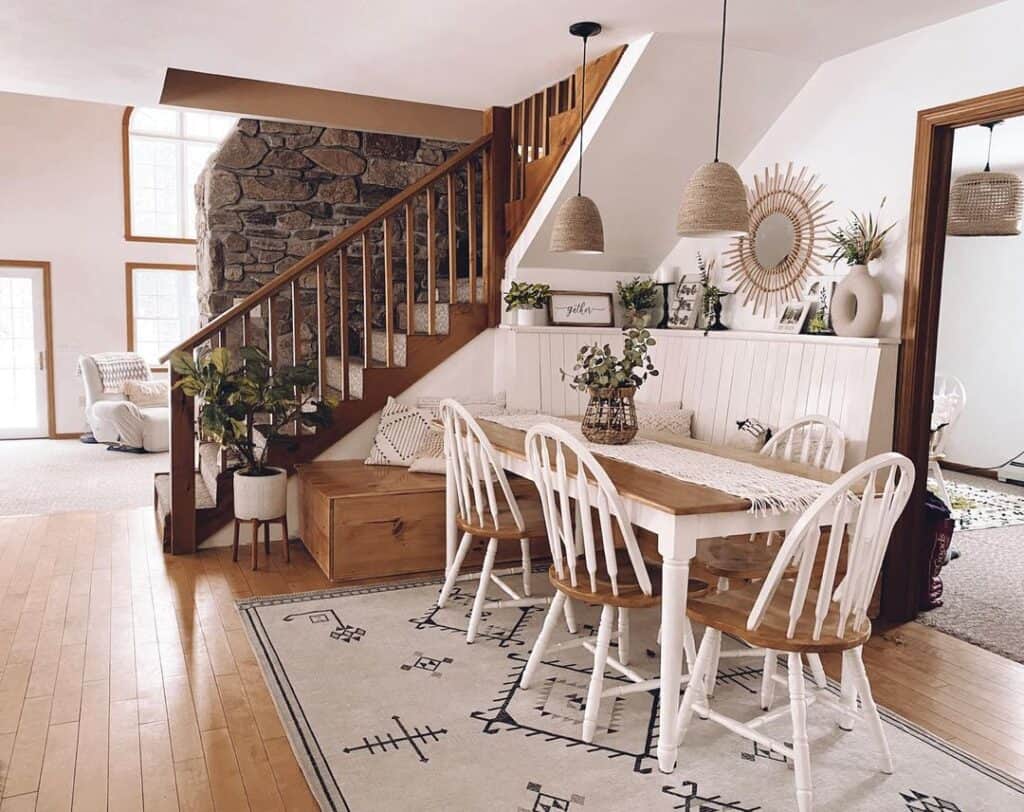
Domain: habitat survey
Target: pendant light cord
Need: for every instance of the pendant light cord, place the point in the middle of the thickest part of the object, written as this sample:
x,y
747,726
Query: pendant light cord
x,y
721,77
583,105
988,157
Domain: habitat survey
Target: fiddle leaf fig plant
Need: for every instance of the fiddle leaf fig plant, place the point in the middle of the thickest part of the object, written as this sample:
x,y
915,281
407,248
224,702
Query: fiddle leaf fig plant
x,y
527,296
234,393
598,368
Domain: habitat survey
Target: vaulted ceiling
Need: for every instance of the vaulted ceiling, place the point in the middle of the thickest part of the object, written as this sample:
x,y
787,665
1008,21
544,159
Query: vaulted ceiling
x,y
466,53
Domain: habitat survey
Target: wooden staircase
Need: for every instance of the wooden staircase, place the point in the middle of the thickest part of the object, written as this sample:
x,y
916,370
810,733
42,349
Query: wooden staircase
x,y
381,319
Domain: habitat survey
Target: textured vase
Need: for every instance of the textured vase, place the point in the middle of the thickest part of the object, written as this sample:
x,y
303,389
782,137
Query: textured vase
x,y
531,316
611,416
261,497
857,304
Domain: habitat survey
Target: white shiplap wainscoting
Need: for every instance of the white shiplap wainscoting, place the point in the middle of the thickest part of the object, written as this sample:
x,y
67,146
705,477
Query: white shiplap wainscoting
x,y
724,377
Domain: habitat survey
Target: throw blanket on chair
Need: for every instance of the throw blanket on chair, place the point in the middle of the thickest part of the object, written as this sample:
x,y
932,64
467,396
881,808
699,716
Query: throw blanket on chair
x,y
117,367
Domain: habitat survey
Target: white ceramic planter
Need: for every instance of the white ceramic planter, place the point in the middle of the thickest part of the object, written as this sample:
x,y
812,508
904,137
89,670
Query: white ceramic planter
x,y
857,304
531,316
261,497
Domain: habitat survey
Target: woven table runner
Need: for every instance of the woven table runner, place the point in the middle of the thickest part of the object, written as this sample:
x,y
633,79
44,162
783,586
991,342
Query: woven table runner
x,y
768,491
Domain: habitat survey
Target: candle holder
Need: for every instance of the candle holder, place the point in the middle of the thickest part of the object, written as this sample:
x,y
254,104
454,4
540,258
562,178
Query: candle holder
x,y
664,314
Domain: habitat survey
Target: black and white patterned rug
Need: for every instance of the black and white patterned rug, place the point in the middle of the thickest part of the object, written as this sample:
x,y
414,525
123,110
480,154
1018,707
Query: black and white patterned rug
x,y
388,708
978,508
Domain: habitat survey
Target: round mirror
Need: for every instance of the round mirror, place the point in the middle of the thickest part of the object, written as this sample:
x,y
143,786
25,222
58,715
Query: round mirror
x,y
773,240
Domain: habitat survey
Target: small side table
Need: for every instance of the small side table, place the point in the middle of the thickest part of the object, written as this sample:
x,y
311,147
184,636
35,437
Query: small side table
x,y
281,520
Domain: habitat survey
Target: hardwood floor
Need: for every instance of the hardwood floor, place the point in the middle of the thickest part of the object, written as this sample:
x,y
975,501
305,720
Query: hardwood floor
x,y
127,682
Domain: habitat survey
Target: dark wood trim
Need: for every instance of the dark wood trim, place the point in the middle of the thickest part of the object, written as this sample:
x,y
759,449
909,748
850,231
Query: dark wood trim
x,y
906,566
129,297
988,473
126,176
497,165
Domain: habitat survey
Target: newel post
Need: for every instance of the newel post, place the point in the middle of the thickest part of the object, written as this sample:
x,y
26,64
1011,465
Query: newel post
x,y
497,122
183,466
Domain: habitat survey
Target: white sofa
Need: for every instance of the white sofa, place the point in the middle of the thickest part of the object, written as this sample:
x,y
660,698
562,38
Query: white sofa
x,y
114,419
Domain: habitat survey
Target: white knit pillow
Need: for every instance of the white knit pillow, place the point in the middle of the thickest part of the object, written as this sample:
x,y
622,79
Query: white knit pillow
x,y
476,406
430,455
146,394
399,435
664,417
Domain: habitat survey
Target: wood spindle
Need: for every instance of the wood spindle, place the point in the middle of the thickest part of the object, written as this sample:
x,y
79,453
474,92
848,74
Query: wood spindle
x,y
182,468
297,334
453,264
538,125
486,226
545,121
431,259
531,114
522,157
410,270
389,295
343,316
272,331
321,330
367,303
246,329
471,225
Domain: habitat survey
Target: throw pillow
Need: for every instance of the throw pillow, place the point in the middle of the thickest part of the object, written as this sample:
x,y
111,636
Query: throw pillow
x,y
476,406
430,455
750,434
399,435
146,394
664,417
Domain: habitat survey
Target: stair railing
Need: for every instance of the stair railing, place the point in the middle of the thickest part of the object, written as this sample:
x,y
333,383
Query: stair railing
x,y
472,183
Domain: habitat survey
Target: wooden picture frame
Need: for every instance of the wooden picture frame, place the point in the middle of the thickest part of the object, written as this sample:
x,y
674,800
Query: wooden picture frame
x,y
793,317
571,308
686,306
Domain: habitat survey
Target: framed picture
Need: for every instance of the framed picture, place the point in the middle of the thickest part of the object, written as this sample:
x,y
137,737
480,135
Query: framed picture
x,y
567,308
794,314
820,290
684,310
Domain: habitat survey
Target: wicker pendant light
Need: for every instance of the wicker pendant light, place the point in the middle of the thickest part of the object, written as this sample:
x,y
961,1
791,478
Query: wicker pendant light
x,y
715,200
578,228
986,203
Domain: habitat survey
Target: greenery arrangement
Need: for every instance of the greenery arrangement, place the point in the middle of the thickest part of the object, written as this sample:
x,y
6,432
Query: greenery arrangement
x,y
597,368
527,296
860,240
638,294
711,303
819,322
234,396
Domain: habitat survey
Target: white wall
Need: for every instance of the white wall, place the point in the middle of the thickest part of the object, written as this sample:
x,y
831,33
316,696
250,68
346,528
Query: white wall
x,y
61,201
854,121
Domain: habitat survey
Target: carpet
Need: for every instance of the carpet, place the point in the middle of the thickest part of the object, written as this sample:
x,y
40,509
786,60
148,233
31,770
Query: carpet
x,y
61,476
388,708
978,508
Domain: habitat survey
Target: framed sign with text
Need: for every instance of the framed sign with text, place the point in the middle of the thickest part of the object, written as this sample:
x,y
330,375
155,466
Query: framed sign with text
x,y
568,308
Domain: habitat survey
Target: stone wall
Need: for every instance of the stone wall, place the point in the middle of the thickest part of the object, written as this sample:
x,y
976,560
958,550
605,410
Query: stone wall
x,y
275,191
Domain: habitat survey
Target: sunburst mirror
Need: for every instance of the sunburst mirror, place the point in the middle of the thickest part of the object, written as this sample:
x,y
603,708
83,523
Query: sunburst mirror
x,y
786,241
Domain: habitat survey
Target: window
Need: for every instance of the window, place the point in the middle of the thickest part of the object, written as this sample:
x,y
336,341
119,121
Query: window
x,y
163,308
165,150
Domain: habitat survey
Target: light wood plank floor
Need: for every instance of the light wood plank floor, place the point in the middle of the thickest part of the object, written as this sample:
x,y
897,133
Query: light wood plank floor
x,y
127,682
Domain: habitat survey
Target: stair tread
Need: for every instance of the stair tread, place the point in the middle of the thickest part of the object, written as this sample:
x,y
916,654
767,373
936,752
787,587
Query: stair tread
x,y
162,485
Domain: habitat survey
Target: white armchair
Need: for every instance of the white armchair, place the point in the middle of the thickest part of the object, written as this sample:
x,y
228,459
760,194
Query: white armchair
x,y
112,417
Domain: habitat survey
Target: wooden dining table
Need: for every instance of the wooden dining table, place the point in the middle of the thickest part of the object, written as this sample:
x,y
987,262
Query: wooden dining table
x,y
678,513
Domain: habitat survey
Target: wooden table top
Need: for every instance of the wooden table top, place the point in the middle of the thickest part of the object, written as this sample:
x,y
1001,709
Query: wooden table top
x,y
659,490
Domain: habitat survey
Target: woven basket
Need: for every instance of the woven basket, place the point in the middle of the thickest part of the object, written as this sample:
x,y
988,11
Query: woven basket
x,y
984,204
610,418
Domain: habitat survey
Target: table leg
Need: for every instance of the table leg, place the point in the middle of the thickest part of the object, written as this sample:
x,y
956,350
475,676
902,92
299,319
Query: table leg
x,y
451,532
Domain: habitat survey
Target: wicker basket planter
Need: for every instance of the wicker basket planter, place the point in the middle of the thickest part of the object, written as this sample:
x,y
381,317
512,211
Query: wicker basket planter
x,y
610,418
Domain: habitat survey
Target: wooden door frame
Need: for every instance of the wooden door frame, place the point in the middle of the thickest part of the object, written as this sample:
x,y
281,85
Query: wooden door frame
x,y
51,406
905,575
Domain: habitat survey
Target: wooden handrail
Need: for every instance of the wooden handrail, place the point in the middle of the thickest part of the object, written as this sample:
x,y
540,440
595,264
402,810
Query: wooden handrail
x,y
308,262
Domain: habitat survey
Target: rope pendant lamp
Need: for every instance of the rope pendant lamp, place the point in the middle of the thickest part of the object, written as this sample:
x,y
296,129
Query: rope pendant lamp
x,y
986,203
715,200
578,228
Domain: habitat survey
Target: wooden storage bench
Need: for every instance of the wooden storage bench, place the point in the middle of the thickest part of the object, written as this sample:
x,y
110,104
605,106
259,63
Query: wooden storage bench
x,y
368,522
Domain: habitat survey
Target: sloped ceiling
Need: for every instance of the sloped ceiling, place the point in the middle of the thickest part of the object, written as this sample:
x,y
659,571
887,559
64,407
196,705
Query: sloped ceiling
x,y
659,129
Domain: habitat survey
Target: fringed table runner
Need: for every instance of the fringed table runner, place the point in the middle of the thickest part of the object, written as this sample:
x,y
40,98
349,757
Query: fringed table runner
x,y
768,491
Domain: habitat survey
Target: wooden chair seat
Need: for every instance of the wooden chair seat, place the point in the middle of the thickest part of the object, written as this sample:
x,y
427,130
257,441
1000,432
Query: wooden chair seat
x,y
630,595
740,557
728,612
529,507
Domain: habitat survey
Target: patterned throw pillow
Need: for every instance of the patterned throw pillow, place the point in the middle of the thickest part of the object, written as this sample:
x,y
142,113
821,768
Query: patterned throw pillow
x,y
430,455
399,435
146,394
476,406
750,434
664,417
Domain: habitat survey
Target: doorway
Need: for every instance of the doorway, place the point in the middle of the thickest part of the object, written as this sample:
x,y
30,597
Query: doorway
x,y
26,350
906,571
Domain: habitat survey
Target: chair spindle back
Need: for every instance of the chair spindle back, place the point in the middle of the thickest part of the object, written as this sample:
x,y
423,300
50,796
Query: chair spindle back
x,y
813,440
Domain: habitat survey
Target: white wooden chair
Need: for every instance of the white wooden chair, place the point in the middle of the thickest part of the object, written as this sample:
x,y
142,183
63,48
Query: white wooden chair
x,y
573,487
811,613
948,403
814,440
487,508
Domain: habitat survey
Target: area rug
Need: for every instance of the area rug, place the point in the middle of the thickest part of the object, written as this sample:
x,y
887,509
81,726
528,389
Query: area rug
x,y
982,596
61,476
388,708
978,508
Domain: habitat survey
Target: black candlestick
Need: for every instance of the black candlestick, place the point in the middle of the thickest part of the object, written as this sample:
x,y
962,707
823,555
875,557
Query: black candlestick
x,y
664,316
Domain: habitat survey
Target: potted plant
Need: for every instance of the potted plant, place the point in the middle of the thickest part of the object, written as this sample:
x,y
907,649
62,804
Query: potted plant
x,y
638,297
234,397
529,301
857,301
612,382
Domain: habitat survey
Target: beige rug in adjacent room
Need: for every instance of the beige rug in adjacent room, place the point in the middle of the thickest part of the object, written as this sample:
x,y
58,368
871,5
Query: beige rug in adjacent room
x,y
388,708
61,476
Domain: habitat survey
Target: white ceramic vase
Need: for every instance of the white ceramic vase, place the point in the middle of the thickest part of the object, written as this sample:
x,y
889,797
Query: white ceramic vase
x,y
531,316
857,304
261,497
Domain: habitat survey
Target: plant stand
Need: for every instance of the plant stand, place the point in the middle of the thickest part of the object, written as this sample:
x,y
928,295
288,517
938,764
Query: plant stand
x,y
281,520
